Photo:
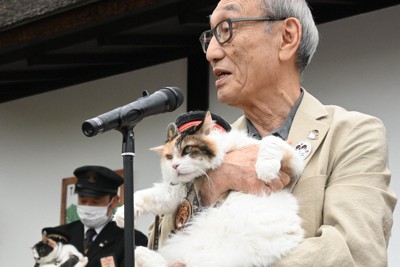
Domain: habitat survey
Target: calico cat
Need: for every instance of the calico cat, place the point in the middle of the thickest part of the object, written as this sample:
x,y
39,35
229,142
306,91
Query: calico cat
x,y
245,230
49,253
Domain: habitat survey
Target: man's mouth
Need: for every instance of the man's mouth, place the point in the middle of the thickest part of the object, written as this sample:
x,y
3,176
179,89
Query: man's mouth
x,y
221,75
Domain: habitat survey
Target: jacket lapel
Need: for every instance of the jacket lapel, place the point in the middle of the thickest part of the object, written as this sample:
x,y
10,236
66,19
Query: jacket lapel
x,y
310,126
104,239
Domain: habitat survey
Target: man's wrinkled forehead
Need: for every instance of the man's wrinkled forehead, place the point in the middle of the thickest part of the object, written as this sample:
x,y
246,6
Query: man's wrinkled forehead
x,y
235,8
225,7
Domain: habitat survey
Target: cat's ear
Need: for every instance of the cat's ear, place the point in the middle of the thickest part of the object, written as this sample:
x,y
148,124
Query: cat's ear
x,y
158,149
208,124
172,131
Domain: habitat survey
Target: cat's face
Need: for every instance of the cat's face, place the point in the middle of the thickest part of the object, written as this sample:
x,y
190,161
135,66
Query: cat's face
x,y
44,251
187,155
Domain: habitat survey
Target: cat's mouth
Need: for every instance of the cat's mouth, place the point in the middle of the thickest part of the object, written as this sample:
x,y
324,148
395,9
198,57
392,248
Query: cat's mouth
x,y
184,177
181,174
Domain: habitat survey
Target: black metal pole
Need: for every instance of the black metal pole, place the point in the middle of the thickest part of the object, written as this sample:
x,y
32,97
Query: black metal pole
x,y
128,154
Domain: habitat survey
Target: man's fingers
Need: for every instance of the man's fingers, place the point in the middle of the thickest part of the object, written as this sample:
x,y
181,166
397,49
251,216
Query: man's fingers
x,y
277,184
284,177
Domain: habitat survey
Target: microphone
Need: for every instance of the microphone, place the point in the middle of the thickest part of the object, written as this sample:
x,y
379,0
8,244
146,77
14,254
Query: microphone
x,y
164,100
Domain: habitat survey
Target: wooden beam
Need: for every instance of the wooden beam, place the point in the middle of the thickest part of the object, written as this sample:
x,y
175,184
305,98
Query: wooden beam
x,y
198,82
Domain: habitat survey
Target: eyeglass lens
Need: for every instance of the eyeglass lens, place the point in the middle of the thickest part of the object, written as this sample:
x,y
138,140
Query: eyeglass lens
x,y
222,32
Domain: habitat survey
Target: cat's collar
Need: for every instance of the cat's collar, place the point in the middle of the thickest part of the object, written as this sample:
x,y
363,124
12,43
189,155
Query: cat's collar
x,y
188,185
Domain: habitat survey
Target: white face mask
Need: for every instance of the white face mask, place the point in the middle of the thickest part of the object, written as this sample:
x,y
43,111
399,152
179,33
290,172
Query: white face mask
x,y
94,216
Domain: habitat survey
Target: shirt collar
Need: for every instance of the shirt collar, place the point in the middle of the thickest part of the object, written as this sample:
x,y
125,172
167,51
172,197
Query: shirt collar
x,y
283,131
97,229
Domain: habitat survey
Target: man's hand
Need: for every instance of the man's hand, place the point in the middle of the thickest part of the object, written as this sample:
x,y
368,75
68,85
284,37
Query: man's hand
x,y
238,173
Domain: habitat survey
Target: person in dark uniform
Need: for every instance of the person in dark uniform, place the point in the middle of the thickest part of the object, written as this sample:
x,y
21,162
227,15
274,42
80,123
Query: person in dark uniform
x,y
95,235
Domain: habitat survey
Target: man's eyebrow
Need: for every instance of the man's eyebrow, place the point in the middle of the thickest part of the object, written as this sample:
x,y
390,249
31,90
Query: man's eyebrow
x,y
231,7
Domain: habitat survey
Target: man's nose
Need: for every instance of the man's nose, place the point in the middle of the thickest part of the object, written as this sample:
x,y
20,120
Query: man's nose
x,y
213,51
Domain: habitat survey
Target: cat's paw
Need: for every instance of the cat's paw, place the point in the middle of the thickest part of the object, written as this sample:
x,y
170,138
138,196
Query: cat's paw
x,y
145,257
274,153
268,170
119,217
83,262
138,204
271,153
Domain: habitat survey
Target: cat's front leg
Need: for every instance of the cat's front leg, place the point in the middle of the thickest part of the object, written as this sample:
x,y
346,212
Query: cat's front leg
x,y
275,153
142,202
145,257
152,200
83,262
119,217
162,198
72,260
139,207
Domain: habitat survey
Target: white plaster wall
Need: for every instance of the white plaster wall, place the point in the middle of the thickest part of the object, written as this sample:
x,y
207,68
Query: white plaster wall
x,y
357,66
41,142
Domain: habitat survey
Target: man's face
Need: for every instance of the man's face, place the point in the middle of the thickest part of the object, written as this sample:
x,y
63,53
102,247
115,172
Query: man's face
x,y
99,201
94,201
245,65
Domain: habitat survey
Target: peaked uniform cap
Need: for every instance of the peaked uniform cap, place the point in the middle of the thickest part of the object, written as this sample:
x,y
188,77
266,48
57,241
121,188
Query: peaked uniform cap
x,y
192,118
56,235
97,181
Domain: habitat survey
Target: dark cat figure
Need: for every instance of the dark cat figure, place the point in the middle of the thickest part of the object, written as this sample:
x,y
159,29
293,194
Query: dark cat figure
x,y
49,253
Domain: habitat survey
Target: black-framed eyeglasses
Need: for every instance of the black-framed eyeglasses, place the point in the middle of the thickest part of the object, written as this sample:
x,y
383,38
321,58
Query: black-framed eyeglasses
x,y
223,30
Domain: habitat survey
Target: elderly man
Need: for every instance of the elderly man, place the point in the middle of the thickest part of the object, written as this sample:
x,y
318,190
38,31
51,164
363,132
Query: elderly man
x,y
258,51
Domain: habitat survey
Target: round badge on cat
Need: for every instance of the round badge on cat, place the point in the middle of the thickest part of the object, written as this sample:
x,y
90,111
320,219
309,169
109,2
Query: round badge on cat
x,y
183,214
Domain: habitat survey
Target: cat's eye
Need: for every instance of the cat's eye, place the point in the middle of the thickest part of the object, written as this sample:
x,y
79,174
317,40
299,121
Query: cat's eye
x,y
187,150
168,156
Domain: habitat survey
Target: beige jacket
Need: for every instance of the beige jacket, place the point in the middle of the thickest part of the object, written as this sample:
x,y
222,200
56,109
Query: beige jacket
x,y
344,196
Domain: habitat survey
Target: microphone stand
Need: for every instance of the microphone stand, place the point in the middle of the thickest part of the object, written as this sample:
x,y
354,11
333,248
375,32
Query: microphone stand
x,y
128,154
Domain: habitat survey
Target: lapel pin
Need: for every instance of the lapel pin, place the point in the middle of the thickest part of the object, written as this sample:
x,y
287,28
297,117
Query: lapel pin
x,y
313,135
303,148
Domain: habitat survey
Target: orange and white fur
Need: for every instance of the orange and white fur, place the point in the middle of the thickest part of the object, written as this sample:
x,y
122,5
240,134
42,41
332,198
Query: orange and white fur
x,y
245,230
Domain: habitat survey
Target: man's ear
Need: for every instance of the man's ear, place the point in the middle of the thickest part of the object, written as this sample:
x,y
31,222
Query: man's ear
x,y
115,202
291,37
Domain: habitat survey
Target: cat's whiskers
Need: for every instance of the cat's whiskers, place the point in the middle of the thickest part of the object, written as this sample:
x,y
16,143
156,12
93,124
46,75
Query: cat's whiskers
x,y
199,172
207,179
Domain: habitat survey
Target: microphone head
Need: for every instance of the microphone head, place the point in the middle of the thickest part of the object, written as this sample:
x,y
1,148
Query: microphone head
x,y
175,97
92,127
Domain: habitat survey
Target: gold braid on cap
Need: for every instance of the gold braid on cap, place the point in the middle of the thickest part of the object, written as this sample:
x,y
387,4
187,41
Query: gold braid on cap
x,y
57,237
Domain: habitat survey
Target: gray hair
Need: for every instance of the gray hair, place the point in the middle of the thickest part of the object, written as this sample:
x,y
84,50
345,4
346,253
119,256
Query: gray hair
x,y
300,10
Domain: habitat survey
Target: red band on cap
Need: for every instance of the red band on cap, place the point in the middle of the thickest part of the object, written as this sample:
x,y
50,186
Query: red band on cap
x,y
195,123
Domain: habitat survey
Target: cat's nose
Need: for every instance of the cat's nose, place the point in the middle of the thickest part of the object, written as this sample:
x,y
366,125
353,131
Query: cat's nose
x,y
175,165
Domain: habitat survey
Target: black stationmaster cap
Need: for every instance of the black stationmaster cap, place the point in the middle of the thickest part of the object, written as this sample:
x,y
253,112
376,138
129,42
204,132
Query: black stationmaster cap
x,y
97,181
56,234
191,118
